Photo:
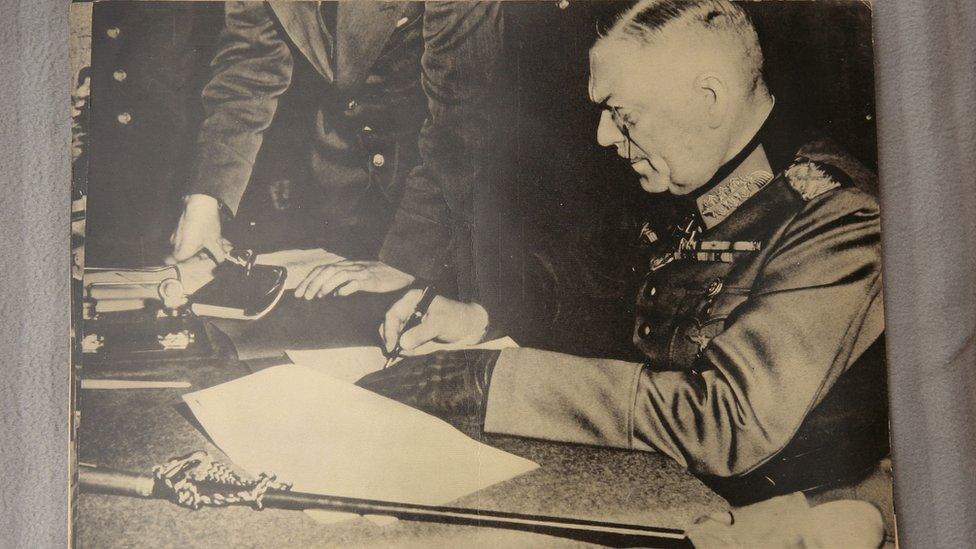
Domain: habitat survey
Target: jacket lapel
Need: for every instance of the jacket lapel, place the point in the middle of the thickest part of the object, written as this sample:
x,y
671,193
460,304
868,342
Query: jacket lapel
x,y
303,23
363,28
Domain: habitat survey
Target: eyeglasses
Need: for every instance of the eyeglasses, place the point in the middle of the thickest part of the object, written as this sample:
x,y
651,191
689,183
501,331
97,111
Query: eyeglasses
x,y
623,125
620,120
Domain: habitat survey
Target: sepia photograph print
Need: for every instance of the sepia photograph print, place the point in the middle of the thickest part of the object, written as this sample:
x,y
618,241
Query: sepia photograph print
x,y
536,273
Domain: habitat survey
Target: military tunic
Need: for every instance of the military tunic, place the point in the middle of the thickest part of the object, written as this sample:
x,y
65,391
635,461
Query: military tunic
x,y
399,125
146,57
762,326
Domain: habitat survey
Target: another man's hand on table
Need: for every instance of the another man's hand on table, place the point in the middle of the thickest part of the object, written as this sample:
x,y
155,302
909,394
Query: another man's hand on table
x,y
199,229
448,384
446,321
348,277
789,521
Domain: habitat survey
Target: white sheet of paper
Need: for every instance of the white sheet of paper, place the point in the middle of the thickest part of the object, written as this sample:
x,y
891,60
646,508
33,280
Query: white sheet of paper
x,y
331,437
345,364
432,346
351,363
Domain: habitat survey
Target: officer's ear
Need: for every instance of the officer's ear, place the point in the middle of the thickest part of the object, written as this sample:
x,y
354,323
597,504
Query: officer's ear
x,y
714,94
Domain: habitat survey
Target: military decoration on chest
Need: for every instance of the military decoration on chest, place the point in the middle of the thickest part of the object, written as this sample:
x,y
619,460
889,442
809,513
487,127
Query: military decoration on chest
x,y
684,239
675,323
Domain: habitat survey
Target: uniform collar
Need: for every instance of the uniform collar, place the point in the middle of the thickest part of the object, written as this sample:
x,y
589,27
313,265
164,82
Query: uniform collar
x,y
746,179
750,170
771,150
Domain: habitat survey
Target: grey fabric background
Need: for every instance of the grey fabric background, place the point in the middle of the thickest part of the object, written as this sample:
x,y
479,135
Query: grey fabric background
x,y
926,62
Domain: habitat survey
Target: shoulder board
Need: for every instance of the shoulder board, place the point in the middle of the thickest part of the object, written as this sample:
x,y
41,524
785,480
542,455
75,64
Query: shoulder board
x,y
811,178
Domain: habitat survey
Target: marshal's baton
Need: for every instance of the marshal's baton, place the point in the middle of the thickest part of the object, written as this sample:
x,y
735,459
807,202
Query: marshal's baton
x,y
196,481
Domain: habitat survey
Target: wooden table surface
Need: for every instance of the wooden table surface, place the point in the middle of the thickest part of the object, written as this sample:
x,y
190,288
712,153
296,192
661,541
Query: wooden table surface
x,y
137,429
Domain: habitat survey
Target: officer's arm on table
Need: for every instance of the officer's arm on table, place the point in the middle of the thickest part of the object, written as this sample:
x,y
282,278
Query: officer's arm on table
x,y
251,69
462,43
815,308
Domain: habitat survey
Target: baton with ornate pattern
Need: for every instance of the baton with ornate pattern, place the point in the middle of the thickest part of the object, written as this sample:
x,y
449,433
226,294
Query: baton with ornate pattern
x,y
195,481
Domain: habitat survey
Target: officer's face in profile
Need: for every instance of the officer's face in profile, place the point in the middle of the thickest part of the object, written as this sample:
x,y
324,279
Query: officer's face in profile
x,y
656,113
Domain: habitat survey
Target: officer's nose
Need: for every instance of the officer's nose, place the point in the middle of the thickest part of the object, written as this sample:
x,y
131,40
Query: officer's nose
x,y
607,133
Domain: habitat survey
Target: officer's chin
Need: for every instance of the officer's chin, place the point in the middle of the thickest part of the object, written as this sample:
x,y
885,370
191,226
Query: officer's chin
x,y
653,186
651,180
655,182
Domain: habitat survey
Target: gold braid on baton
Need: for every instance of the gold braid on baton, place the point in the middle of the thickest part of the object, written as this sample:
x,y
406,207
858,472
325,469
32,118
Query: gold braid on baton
x,y
196,481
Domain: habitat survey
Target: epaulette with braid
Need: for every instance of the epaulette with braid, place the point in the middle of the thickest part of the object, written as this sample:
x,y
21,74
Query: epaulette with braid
x,y
812,178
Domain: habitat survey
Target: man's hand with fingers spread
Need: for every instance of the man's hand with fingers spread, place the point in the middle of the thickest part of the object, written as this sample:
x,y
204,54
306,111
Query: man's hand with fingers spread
x,y
447,321
348,277
199,229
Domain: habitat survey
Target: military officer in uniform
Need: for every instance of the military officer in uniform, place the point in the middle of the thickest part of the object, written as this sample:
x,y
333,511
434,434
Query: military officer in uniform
x,y
400,130
760,316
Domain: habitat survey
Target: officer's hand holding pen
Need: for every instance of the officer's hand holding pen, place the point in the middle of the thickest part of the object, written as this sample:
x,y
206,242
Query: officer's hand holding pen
x,y
446,320
419,312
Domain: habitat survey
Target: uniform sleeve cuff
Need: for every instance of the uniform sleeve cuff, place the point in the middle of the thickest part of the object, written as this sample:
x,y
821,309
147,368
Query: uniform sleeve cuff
x,y
552,396
220,174
416,245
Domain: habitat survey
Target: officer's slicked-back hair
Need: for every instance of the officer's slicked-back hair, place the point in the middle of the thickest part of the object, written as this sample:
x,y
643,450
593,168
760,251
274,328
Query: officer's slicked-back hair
x,y
648,19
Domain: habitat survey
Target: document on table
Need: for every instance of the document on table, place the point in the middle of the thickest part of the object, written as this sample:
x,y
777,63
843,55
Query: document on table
x,y
331,437
351,363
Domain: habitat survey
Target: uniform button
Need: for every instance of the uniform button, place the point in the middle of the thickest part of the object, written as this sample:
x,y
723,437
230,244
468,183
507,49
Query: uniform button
x,y
124,118
650,292
113,32
119,75
563,4
378,160
352,105
714,287
644,331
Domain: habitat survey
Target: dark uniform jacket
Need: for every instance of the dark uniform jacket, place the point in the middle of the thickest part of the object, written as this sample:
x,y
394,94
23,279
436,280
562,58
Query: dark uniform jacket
x,y
148,63
762,333
389,70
